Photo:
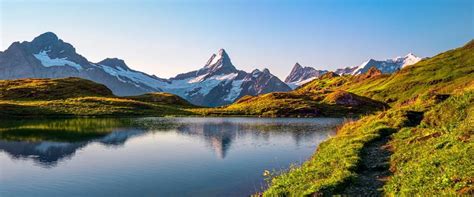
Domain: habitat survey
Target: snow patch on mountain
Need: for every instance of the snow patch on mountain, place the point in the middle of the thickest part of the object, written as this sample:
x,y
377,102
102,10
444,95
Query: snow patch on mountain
x,y
410,59
202,84
295,84
215,58
234,91
388,65
47,61
300,75
134,76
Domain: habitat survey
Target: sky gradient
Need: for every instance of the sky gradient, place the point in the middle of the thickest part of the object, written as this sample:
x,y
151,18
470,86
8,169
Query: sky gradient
x,y
170,37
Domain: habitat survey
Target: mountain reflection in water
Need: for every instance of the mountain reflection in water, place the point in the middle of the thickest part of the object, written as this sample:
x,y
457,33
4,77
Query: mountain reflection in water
x,y
47,142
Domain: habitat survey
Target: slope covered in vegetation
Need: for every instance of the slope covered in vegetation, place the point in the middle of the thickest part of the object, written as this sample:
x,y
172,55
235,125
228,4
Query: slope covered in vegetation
x,y
50,89
79,97
429,127
325,102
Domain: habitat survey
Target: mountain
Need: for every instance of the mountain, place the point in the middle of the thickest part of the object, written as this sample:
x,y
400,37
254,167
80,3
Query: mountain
x,y
345,71
300,75
217,83
387,66
47,56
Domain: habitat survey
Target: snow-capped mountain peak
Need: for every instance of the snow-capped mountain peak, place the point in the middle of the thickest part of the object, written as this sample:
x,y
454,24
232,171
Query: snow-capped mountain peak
x,y
219,63
220,83
388,65
218,59
410,59
300,75
117,67
217,83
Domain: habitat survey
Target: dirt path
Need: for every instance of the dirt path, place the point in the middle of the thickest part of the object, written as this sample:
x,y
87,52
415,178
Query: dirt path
x,y
375,162
374,169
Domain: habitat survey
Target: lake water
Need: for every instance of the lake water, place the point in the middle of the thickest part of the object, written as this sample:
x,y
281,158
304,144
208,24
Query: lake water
x,y
152,156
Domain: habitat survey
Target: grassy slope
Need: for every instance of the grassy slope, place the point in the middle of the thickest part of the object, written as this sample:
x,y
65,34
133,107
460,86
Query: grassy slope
x,y
79,97
325,103
437,157
50,89
431,158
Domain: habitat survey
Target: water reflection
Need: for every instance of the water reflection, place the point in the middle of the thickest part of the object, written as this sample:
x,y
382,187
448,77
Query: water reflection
x,y
47,142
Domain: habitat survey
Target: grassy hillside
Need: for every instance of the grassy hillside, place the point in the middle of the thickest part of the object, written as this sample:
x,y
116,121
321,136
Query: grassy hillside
x,y
78,97
447,73
50,89
321,103
428,128
161,98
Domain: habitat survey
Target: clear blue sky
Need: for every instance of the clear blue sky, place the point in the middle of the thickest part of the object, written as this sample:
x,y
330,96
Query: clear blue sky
x,y
169,37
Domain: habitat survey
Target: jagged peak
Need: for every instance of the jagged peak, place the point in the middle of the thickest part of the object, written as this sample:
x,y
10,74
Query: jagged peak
x,y
218,63
256,71
46,41
266,71
410,55
220,55
114,62
47,36
297,66
50,43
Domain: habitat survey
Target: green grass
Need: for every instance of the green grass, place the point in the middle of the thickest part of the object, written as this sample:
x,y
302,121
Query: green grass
x,y
73,97
297,104
432,158
50,89
162,98
88,106
336,159
438,156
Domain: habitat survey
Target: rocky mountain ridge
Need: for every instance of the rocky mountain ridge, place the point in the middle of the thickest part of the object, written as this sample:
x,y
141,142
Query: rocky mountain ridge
x,y
217,83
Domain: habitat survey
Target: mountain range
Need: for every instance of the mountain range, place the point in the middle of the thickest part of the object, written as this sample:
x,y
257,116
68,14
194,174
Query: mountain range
x,y
217,83
300,75
388,65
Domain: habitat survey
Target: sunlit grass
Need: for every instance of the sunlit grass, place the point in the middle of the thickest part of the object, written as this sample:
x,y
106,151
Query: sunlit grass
x,y
432,158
